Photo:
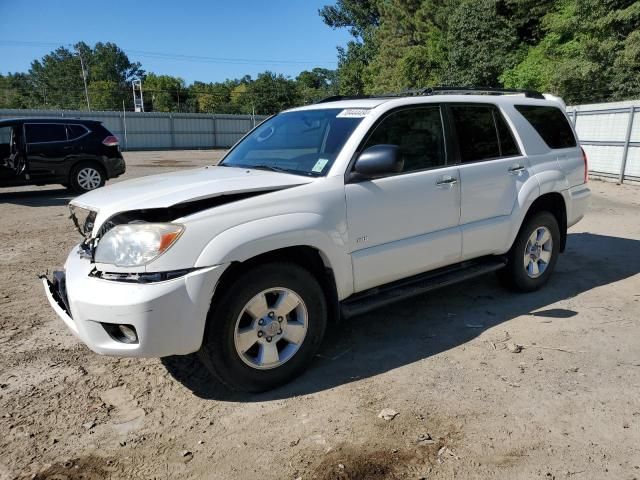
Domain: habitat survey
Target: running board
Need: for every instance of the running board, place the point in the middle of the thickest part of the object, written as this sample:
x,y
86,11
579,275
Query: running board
x,y
393,292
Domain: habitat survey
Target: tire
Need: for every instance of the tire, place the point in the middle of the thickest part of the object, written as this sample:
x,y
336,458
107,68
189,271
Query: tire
x,y
541,255
86,177
238,350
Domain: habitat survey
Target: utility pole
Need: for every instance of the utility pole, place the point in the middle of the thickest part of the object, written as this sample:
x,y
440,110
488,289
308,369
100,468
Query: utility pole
x,y
84,79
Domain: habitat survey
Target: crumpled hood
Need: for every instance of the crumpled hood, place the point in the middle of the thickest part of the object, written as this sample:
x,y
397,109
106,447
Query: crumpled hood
x,y
166,190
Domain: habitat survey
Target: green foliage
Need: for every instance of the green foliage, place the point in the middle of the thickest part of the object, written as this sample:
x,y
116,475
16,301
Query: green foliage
x,y
583,50
57,77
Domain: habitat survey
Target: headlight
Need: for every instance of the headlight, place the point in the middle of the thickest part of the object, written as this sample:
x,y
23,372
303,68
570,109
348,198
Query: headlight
x,y
136,244
83,219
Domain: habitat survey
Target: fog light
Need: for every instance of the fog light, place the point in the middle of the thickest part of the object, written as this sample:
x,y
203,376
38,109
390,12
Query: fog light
x,y
121,333
129,333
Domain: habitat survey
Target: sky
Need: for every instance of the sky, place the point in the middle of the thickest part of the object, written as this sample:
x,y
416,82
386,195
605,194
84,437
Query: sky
x,y
228,38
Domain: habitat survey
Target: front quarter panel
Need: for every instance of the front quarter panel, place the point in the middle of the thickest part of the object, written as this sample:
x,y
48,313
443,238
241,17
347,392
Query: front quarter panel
x,y
249,240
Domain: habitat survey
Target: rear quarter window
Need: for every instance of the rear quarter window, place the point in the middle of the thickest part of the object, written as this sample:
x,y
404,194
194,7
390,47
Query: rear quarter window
x,y
75,131
550,123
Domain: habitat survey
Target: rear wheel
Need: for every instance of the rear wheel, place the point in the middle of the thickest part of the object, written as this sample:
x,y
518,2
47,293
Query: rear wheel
x,y
533,255
86,177
265,327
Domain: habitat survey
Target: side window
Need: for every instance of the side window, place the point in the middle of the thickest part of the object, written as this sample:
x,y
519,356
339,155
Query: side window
x,y
419,134
550,123
74,131
476,129
45,132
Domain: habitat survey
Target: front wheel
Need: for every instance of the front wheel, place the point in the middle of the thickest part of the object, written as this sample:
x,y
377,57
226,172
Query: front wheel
x,y
533,255
265,327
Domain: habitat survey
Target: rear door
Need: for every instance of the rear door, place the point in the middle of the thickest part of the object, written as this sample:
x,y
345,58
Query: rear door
x,y
47,148
492,170
407,223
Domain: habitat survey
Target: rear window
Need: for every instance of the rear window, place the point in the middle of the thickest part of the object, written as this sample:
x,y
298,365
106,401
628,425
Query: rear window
x,y
550,123
45,132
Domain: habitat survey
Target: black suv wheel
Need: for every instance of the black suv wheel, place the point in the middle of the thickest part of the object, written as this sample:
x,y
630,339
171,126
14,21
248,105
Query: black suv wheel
x,y
86,177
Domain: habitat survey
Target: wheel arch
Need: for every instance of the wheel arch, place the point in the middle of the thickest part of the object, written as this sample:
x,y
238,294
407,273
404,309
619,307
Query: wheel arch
x,y
554,203
305,256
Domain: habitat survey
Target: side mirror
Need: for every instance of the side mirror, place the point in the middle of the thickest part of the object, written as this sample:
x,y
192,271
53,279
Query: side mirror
x,y
379,160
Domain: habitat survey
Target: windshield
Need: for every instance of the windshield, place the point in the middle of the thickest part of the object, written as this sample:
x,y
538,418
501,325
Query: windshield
x,y
304,142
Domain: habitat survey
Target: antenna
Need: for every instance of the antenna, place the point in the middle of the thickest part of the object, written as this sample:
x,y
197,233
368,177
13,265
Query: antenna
x,y
138,100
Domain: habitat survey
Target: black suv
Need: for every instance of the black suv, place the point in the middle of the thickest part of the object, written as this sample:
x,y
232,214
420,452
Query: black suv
x,y
79,154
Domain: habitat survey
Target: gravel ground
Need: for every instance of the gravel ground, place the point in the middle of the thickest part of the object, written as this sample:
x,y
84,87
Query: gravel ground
x,y
565,406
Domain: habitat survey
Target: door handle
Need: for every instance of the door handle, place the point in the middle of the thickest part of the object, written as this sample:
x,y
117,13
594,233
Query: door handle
x,y
516,168
446,180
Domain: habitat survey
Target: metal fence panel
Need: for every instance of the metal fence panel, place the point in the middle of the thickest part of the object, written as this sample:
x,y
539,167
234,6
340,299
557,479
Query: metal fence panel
x,y
158,130
610,134
632,168
604,126
603,158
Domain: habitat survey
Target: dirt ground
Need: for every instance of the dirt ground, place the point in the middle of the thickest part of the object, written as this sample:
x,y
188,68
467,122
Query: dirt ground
x,y
566,406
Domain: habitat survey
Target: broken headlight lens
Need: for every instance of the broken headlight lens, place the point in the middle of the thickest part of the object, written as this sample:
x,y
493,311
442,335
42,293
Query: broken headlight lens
x,y
136,244
83,218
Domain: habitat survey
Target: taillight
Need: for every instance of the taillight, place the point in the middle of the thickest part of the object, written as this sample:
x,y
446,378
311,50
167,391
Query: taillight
x,y
586,165
111,141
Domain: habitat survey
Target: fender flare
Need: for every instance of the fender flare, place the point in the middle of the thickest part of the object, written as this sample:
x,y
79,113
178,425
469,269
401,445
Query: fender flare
x,y
551,181
278,232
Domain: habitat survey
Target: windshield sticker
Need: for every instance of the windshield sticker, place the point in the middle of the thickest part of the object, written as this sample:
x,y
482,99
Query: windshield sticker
x,y
353,113
317,168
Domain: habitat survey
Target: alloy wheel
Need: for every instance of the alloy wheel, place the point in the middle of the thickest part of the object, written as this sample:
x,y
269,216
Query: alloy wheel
x,y
538,252
271,328
89,178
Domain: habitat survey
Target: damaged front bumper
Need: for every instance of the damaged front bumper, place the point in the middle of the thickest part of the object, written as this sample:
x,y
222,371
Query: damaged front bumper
x,y
168,317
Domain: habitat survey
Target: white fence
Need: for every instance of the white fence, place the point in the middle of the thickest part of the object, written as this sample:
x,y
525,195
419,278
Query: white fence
x,y
610,134
159,131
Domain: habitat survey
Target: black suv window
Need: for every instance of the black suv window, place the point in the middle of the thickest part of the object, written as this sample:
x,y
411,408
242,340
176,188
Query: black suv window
x,y
550,123
482,133
419,134
75,131
45,132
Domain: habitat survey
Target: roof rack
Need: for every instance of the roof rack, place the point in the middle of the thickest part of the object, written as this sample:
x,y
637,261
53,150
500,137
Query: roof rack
x,y
480,91
441,90
335,98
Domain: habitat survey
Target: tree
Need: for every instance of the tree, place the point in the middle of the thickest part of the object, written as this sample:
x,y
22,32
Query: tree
x,y
165,93
17,91
362,18
482,43
589,52
316,84
270,93
59,74
410,48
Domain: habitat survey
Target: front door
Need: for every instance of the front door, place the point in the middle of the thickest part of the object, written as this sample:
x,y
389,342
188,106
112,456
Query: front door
x,y
406,223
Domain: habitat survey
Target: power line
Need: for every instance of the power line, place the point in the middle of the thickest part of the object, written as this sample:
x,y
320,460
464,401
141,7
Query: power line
x,y
180,57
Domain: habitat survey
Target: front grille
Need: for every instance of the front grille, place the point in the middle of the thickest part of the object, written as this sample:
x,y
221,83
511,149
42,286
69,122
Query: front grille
x,y
58,289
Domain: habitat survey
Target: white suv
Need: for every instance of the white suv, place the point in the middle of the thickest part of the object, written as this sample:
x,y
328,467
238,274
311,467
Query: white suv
x,y
321,212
